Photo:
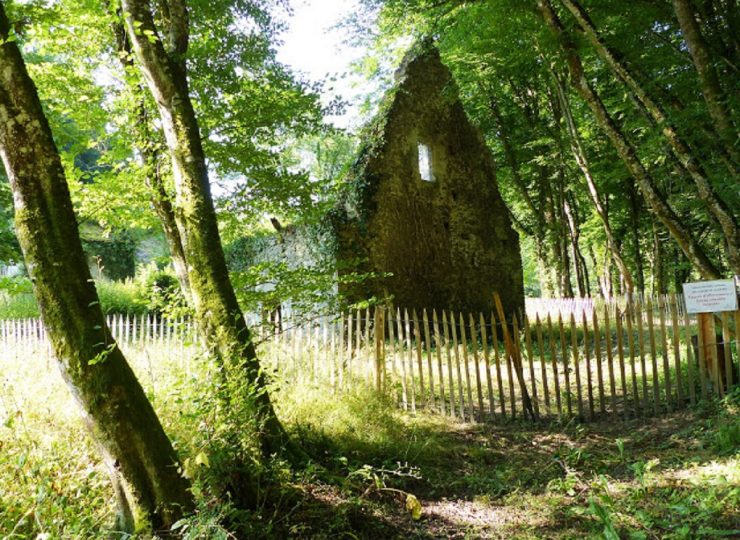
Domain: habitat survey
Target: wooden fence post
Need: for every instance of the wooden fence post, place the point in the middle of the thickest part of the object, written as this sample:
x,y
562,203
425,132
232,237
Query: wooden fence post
x,y
512,345
708,349
379,332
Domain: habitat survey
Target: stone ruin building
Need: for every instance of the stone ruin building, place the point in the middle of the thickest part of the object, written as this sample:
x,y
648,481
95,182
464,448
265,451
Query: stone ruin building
x,y
425,209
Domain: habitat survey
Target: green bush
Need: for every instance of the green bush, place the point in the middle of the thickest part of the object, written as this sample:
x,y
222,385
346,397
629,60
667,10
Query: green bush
x,y
18,306
153,290
160,290
16,298
121,297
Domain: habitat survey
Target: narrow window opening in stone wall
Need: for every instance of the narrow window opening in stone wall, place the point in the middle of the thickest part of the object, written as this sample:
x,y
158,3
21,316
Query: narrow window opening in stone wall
x,y
425,163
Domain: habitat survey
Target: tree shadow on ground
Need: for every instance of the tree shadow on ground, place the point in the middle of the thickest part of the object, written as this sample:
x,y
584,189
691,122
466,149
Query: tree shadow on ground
x,y
512,480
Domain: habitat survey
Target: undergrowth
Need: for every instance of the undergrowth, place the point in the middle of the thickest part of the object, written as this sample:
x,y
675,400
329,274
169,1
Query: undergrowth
x,y
370,470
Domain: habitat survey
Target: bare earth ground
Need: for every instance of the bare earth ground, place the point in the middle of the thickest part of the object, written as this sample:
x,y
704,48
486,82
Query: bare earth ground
x,y
524,481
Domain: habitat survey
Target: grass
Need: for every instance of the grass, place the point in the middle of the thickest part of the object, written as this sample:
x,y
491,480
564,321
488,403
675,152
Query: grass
x,y
372,465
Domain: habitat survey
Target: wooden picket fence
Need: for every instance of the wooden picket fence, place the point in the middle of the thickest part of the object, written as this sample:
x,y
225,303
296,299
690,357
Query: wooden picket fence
x,y
631,359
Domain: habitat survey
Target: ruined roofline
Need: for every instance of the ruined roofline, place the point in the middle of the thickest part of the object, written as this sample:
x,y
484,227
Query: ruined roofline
x,y
372,135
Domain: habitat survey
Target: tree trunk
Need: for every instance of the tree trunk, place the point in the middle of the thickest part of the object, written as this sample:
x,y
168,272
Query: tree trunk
x,y
634,209
117,410
576,252
607,287
708,78
659,284
560,232
718,211
579,251
579,153
656,200
147,146
540,225
219,316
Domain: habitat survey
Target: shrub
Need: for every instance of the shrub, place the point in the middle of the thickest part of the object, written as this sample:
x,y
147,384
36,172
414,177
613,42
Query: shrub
x,y
160,291
121,297
18,306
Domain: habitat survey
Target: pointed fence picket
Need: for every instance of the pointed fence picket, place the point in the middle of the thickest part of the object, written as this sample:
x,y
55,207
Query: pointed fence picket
x,y
574,359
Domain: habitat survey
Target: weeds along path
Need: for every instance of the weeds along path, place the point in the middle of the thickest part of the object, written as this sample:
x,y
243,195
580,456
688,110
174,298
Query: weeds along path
x,y
376,468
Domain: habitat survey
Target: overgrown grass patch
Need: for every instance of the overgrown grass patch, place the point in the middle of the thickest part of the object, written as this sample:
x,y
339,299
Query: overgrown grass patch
x,y
372,469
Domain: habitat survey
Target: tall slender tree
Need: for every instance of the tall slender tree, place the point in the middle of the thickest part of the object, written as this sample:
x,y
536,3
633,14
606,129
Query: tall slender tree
x,y
714,95
656,201
717,209
579,154
117,411
161,49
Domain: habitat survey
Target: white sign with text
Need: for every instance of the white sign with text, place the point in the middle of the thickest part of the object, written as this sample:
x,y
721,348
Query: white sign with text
x,y
710,296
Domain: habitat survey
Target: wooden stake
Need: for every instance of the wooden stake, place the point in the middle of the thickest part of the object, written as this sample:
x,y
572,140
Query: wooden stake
x,y
666,365
428,343
702,358
417,337
677,350
726,339
576,361
438,346
468,384
653,358
541,347
379,329
533,379
566,369
402,360
479,386
501,395
449,363
620,352
512,344
690,360
410,359
708,350
554,360
453,325
597,357
486,356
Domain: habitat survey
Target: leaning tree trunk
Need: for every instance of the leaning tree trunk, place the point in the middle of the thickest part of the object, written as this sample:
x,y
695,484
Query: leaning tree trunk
x,y
117,410
574,236
708,78
579,153
718,211
219,316
147,147
659,284
626,151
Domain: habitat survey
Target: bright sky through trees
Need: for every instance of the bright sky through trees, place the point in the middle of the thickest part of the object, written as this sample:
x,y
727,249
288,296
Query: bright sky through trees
x,y
316,47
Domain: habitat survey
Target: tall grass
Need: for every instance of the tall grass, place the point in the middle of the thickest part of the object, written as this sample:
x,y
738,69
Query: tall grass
x,y
128,297
18,306
366,458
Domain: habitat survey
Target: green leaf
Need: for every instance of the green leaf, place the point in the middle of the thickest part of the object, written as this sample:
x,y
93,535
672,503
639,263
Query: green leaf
x,y
413,506
202,459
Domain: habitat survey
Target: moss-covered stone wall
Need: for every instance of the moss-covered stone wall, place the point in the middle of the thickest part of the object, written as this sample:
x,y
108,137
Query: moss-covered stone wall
x,y
447,243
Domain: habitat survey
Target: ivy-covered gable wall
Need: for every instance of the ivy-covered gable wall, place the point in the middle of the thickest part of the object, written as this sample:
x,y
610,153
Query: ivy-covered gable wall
x,y
444,243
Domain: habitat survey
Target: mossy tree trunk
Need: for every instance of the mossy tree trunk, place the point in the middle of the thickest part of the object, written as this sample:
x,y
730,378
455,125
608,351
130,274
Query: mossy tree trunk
x,y
160,53
117,410
634,224
149,149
